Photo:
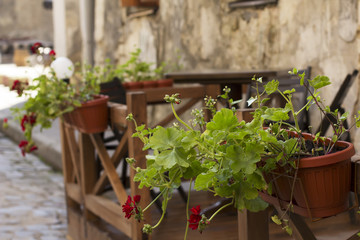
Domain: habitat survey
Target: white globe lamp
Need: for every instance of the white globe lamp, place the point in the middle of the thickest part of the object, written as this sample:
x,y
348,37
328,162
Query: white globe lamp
x,y
63,68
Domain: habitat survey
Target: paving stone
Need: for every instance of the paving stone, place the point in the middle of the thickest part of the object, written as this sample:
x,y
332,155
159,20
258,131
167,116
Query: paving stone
x,y
32,202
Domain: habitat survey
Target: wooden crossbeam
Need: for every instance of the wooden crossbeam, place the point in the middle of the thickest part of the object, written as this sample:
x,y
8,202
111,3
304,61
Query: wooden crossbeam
x,y
74,151
119,153
109,211
109,168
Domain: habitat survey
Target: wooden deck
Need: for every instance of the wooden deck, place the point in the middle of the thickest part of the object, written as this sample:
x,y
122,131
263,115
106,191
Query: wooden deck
x,y
224,225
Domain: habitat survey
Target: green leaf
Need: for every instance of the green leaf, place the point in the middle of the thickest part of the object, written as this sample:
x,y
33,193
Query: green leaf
x,y
244,159
224,190
319,82
203,181
256,179
276,219
194,169
288,230
344,116
255,205
169,158
277,114
271,86
165,138
289,91
224,119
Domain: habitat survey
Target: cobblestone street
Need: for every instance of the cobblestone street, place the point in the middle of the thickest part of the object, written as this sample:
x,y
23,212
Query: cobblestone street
x,y
32,205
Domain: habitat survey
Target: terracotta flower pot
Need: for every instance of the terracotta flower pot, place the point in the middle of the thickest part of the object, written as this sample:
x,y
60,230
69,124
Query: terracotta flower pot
x,y
133,85
322,186
91,117
167,82
150,84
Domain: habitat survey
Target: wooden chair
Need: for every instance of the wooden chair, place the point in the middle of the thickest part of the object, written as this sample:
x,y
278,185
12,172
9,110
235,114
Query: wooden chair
x,y
337,104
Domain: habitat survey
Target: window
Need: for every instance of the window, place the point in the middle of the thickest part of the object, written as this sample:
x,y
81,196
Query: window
x,y
250,3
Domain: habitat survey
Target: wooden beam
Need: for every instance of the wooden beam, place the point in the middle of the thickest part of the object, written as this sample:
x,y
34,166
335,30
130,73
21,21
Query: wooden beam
x,y
74,151
109,211
68,169
253,225
88,170
74,192
109,168
136,102
120,153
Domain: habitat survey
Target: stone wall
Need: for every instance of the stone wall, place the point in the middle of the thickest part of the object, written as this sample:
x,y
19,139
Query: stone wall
x,y
25,20
207,34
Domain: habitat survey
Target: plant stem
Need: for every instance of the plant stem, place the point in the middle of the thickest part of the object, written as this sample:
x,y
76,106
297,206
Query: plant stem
x,y
187,210
163,209
318,105
157,197
178,118
226,205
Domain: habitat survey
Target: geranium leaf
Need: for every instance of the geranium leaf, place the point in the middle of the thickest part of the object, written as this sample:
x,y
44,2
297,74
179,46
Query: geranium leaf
x,y
244,158
319,82
203,181
224,119
165,138
169,158
255,205
271,86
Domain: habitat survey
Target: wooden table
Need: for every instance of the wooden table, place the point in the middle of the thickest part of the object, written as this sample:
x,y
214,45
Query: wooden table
x,y
216,79
219,76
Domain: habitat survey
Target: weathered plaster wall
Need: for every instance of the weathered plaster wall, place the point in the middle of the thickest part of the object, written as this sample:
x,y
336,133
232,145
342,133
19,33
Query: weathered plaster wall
x,y
207,34
25,19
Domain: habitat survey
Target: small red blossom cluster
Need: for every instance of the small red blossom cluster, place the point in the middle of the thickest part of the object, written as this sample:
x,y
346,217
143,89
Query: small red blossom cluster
x,y
131,207
52,53
5,123
26,147
35,47
195,217
19,86
28,119
196,221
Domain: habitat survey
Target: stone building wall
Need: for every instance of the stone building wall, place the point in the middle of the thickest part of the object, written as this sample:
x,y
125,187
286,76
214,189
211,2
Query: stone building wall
x,y
207,34
25,20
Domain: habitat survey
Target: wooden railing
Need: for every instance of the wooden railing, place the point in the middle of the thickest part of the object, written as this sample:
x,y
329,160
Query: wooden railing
x,y
89,212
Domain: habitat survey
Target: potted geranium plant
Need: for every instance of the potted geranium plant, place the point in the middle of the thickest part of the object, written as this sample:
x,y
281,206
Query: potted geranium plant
x,y
235,160
141,74
49,97
135,71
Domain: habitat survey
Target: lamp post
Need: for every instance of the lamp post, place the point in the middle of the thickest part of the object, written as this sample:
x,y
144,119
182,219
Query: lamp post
x,y
63,68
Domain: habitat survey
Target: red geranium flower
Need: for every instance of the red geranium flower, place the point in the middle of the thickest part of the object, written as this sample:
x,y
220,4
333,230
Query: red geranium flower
x,y
28,119
137,198
18,86
15,85
52,53
131,208
195,217
5,123
26,148
35,47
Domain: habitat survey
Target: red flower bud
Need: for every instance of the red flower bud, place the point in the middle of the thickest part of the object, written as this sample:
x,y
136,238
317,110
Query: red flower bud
x,y
52,53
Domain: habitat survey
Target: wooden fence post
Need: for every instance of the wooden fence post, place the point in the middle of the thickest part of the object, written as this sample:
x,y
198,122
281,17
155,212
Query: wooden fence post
x,y
136,102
